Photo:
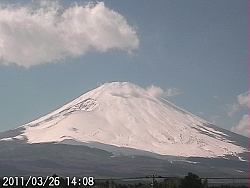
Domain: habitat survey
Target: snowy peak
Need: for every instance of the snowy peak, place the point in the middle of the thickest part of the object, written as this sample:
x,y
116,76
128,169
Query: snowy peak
x,y
123,114
124,88
119,89
89,100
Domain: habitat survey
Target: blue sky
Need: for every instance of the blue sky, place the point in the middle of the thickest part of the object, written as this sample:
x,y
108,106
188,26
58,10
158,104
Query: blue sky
x,y
195,53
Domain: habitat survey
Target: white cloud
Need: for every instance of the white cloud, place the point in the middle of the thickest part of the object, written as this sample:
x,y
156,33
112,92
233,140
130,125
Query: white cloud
x,y
158,92
243,99
170,92
155,91
242,102
31,36
243,126
201,113
215,120
215,97
231,109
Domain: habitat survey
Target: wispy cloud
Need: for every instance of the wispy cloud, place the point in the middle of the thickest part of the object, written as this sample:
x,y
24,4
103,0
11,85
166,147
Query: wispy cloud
x,y
215,119
155,91
170,92
243,99
242,102
215,97
231,109
243,126
158,92
48,33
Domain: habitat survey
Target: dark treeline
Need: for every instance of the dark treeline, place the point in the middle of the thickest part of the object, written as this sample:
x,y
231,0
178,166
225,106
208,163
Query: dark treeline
x,y
189,181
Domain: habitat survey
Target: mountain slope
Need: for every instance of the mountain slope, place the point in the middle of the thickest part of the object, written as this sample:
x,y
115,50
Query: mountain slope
x,y
125,115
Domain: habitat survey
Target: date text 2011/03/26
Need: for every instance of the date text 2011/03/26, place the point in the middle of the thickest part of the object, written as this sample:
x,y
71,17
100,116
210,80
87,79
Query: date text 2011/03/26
x,y
46,181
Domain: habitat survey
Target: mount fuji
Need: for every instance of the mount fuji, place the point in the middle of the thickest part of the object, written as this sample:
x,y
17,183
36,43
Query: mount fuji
x,y
124,120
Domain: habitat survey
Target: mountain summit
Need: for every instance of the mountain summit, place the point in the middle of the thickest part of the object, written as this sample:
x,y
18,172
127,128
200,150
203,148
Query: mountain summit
x,y
123,114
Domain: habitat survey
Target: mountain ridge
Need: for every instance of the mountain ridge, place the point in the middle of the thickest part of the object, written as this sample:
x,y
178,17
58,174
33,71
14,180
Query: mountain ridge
x,y
123,114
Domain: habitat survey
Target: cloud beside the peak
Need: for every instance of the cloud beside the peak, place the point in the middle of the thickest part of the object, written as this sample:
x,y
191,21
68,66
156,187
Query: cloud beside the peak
x,y
158,92
243,127
243,99
49,33
231,109
170,92
242,102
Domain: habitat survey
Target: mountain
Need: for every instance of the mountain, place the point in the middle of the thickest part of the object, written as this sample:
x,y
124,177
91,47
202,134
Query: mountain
x,y
120,119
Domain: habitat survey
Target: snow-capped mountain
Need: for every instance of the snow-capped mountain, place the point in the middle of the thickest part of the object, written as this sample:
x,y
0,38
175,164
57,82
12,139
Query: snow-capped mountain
x,y
122,114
